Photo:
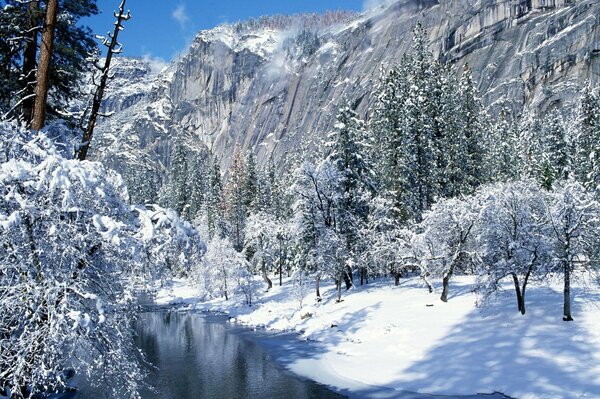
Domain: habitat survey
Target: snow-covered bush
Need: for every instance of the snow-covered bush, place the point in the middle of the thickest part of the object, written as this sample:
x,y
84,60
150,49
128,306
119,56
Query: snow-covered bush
x,y
71,254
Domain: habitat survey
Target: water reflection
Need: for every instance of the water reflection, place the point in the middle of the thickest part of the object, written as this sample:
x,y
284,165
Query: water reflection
x,y
197,356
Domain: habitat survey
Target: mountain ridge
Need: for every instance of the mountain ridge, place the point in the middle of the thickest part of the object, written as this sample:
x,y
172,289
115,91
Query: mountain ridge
x,y
269,90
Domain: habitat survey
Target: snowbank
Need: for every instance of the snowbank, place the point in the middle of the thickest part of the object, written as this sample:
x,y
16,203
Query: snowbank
x,y
382,339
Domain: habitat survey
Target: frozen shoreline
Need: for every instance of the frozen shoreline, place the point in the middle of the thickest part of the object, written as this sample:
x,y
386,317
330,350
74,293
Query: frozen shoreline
x,y
383,340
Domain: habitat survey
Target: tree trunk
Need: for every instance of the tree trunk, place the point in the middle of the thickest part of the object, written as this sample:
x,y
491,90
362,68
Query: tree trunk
x,y
446,281
263,269
43,69
347,275
280,263
318,287
397,278
29,61
520,299
99,94
362,275
567,293
338,284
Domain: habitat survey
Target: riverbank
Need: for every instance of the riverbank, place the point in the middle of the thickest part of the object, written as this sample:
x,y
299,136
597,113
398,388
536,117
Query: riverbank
x,y
383,339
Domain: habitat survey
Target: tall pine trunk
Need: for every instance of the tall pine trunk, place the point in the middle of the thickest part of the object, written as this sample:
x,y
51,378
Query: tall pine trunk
x,y
43,69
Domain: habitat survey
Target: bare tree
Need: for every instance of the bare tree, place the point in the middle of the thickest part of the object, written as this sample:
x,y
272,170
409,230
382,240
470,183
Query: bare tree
x,y
114,47
43,70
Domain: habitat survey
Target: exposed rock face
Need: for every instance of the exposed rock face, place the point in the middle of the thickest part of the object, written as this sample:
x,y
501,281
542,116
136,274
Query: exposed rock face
x,y
267,89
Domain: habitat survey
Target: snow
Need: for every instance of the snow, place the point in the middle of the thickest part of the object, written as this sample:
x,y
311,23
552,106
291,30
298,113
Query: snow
x,y
383,338
262,42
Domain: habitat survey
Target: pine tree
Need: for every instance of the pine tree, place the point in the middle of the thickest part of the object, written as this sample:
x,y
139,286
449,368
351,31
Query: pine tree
x,y
587,154
235,194
198,174
20,23
250,181
174,194
349,154
213,202
556,157
471,126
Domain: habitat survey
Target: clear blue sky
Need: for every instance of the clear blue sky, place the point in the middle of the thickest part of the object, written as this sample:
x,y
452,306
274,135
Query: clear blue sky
x,y
163,28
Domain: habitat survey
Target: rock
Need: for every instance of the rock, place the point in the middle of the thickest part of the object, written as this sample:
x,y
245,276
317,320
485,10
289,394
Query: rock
x,y
306,315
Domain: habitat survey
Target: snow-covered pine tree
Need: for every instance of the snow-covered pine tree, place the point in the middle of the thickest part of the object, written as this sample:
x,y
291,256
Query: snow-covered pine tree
x,y
587,142
175,194
471,126
503,143
197,182
348,153
556,162
235,197
251,182
214,203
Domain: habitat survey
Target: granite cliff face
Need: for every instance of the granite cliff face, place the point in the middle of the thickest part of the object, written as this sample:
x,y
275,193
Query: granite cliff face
x,y
268,88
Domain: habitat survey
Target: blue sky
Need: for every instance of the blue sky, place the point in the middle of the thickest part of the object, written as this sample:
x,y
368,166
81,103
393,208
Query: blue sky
x,y
163,28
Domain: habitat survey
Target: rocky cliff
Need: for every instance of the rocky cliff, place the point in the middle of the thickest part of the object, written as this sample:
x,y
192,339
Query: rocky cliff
x,y
267,87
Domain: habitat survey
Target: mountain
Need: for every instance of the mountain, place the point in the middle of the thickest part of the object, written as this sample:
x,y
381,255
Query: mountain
x,y
272,83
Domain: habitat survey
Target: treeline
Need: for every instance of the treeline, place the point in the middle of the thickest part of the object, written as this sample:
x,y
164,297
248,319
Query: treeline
x,y
310,21
431,184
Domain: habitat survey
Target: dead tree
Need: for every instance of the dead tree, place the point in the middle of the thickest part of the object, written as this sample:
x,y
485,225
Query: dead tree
x,y
43,69
114,47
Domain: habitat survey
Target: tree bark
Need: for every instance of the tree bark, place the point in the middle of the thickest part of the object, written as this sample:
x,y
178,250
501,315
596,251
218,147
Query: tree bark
x,y
397,278
520,299
43,69
29,61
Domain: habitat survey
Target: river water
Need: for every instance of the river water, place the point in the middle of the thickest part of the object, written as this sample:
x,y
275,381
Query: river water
x,y
202,356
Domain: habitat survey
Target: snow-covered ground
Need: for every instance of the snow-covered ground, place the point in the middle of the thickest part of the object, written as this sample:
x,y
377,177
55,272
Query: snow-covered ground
x,y
383,339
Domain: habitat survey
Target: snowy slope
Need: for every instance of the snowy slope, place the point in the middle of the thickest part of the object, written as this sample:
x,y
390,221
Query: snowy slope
x,y
383,339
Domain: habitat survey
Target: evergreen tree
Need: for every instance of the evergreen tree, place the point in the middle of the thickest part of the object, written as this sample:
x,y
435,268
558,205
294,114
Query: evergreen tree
x,y
174,194
250,181
197,182
472,152
20,23
235,193
213,202
587,143
556,157
348,154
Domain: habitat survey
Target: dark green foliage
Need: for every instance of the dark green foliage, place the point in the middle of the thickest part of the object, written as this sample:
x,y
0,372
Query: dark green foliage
x,y
73,45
